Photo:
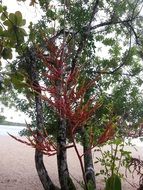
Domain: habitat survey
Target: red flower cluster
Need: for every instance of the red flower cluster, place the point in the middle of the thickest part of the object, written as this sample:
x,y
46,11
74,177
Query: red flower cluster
x,y
64,94
67,97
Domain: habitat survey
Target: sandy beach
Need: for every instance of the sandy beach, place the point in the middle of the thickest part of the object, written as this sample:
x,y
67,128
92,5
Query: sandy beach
x,y
17,167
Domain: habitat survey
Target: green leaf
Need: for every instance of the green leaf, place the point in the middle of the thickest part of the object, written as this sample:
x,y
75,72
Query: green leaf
x,y
1,8
4,16
12,18
113,183
18,17
4,8
22,31
7,53
51,14
8,23
108,41
18,14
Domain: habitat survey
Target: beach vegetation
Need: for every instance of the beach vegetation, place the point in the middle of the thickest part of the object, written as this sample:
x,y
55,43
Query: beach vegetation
x,y
2,118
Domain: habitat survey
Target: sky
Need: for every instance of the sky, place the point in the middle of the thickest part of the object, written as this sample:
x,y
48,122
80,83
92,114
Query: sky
x,y
29,13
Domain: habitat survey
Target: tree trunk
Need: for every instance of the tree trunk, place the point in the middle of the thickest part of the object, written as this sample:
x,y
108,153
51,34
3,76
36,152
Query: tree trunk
x,y
63,172
41,170
88,161
64,178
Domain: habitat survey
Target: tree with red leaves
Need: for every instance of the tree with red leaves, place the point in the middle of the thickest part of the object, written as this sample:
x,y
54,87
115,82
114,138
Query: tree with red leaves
x,y
82,26
66,97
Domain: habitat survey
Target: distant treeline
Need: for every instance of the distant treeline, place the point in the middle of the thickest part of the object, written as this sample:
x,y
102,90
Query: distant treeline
x,y
12,123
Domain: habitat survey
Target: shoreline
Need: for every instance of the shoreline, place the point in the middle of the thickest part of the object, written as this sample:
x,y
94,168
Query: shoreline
x,y
8,123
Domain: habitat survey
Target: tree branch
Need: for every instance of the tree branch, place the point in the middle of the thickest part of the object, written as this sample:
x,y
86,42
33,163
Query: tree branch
x,y
85,35
117,68
111,22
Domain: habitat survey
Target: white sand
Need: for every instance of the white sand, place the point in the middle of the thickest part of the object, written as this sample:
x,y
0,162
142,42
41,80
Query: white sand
x,y
17,167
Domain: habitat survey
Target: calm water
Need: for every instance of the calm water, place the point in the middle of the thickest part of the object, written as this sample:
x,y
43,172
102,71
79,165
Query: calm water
x,y
13,130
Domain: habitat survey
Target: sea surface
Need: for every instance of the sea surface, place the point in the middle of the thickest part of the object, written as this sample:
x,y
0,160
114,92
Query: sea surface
x,y
13,130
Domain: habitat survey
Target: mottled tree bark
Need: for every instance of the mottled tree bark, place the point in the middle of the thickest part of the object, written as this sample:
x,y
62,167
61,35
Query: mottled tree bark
x,y
41,170
64,178
88,160
63,172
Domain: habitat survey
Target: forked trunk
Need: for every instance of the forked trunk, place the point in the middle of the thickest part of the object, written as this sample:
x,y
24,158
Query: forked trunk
x,y
64,178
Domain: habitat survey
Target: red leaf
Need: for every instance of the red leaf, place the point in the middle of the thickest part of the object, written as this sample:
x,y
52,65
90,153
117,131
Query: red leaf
x,y
108,134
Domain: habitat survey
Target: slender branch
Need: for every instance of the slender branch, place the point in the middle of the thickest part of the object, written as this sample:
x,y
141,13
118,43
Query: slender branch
x,y
135,34
80,160
85,35
94,11
107,23
117,68
111,22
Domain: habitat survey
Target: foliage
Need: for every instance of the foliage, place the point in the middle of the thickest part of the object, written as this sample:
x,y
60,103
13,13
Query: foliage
x,y
11,32
113,182
2,118
112,160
